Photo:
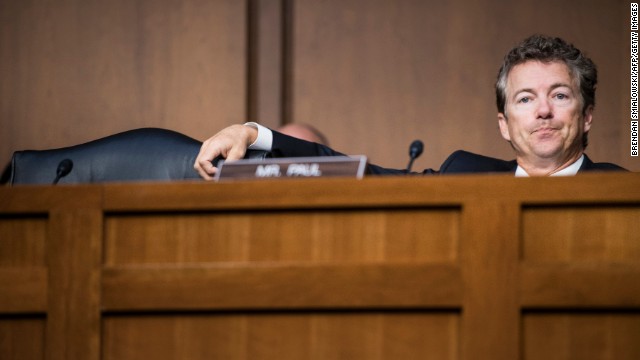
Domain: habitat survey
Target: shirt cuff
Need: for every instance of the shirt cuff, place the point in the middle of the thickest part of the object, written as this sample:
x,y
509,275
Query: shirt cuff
x,y
264,141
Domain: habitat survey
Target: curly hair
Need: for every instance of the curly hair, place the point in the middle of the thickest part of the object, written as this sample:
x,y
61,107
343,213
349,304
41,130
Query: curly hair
x,y
548,49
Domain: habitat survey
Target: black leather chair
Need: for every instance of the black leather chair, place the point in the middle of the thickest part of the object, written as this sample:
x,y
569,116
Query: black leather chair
x,y
147,154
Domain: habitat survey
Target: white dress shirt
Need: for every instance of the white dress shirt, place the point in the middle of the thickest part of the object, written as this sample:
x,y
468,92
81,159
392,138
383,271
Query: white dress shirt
x,y
568,171
264,141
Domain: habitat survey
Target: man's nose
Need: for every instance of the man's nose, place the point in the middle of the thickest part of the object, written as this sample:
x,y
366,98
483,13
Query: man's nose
x,y
544,110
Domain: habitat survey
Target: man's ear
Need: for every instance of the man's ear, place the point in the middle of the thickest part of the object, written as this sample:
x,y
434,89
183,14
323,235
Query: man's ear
x,y
504,126
588,117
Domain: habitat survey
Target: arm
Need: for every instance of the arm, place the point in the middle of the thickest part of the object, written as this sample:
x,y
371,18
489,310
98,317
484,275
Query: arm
x,y
231,143
287,146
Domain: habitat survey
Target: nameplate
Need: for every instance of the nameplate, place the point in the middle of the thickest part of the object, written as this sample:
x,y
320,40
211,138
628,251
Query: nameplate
x,y
303,167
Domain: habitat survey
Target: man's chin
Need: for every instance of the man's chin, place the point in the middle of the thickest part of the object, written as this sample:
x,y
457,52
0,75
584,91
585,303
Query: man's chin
x,y
548,151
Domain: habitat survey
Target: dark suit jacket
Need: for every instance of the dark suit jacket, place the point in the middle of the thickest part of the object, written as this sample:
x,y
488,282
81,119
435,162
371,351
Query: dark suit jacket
x,y
459,162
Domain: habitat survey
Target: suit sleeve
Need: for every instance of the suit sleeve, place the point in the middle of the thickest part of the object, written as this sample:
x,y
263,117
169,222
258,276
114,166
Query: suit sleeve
x,y
288,146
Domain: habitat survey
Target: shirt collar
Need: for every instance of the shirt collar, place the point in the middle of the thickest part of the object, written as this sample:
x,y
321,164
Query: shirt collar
x,y
568,171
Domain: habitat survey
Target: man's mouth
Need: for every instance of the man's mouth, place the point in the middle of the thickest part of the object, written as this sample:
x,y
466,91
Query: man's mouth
x,y
544,130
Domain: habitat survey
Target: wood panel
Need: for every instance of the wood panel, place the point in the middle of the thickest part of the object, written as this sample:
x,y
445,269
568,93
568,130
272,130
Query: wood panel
x,y
48,239
310,236
22,241
76,70
579,285
588,336
22,338
74,255
238,286
397,267
375,75
300,335
23,289
372,75
490,271
23,272
581,234
266,63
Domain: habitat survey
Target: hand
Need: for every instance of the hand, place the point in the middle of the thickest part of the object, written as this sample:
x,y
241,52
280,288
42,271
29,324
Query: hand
x,y
231,143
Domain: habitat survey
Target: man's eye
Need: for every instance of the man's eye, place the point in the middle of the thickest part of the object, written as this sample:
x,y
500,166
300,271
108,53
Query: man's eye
x,y
524,100
561,96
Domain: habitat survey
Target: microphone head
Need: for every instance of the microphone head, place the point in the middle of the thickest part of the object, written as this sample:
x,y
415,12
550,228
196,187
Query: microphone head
x,y
64,168
416,149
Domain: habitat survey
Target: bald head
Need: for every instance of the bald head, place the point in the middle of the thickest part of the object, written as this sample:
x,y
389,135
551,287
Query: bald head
x,y
304,132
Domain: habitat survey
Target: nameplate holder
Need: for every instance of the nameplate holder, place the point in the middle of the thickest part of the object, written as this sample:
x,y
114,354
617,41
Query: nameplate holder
x,y
302,167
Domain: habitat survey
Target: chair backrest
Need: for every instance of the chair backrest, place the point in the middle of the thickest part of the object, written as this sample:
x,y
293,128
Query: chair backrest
x,y
147,154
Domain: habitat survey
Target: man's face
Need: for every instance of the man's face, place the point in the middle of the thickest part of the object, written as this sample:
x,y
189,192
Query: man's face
x,y
543,116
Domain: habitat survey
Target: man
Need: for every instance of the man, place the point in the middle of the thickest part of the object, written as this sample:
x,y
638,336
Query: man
x,y
545,94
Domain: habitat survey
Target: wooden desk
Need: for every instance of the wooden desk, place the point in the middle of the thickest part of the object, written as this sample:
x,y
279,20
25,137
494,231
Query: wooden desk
x,y
475,267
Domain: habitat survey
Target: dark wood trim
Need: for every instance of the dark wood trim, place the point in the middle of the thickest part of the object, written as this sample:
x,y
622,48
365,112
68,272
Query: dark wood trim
x,y
265,61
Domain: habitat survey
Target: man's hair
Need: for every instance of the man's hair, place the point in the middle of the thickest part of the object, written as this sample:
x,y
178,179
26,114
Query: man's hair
x,y
549,49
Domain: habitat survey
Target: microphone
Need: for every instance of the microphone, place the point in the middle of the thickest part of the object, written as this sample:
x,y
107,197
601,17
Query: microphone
x,y
415,150
64,168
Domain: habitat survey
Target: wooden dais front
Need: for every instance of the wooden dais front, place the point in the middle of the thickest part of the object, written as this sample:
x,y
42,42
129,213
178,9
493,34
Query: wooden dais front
x,y
457,267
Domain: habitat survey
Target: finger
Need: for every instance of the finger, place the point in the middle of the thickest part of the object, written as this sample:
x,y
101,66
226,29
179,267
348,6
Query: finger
x,y
206,169
203,169
203,163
